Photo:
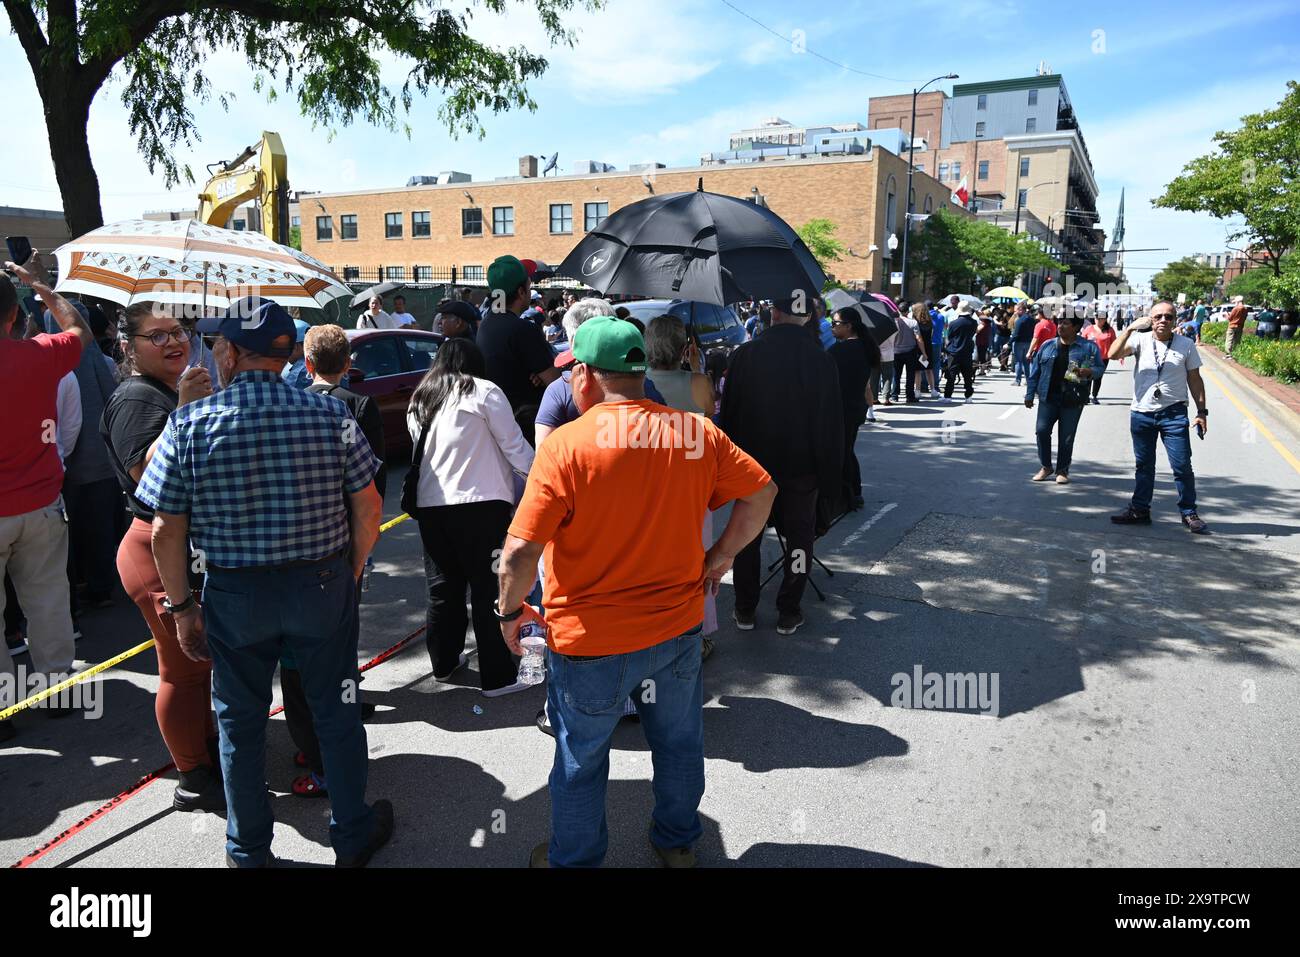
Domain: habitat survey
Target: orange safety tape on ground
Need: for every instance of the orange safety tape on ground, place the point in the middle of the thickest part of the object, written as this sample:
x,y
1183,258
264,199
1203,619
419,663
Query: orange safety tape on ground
x,y
81,676
152,776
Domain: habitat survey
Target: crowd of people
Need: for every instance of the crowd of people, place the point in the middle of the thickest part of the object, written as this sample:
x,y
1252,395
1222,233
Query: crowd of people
x,y
239,488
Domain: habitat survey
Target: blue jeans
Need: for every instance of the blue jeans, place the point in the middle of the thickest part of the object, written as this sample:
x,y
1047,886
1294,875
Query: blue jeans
x,y
1049,415
1172,426
250,616
1019,350
585,700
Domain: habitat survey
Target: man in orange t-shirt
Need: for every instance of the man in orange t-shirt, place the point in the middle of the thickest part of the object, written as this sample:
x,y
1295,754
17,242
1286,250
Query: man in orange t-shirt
x,y
1236,323
615,500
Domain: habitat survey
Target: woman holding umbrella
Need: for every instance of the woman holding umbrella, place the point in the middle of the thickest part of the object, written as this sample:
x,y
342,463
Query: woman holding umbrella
x,y
156,346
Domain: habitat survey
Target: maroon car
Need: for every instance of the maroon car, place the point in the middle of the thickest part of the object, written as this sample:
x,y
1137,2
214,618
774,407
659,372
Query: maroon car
x,y
387,364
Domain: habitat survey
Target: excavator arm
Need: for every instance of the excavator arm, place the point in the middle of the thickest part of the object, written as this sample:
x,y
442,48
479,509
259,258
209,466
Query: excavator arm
x,y
264,179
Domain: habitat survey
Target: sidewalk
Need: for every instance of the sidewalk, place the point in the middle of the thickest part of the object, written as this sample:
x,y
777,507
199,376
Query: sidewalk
x,y
1279,398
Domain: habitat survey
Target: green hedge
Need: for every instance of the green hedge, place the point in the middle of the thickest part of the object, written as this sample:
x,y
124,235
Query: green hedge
x,y
1270,357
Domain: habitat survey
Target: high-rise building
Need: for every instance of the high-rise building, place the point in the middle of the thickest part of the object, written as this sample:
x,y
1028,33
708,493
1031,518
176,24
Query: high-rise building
x,y
1017,144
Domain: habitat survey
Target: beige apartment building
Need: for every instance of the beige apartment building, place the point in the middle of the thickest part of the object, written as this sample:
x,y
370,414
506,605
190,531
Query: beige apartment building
x,y
421,233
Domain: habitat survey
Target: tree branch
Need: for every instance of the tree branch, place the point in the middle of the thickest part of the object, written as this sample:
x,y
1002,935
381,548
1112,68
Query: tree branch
x,y
25,24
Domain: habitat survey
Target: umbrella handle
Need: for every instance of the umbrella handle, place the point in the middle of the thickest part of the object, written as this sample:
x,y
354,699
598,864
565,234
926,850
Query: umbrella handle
x,y
680,276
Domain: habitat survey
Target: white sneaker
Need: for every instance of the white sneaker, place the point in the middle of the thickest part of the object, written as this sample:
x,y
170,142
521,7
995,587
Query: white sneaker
x,y
508,689
460,663
871,415
934,393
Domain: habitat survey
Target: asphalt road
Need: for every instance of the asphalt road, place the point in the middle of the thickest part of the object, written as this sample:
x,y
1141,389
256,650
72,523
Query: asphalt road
x,y
1145,680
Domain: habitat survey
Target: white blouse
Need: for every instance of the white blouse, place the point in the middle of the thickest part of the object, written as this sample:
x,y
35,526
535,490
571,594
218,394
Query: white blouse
x,y
474,445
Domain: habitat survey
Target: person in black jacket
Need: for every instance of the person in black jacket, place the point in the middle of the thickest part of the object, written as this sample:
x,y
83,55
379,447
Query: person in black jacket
x,y
328,356
856,359
781,404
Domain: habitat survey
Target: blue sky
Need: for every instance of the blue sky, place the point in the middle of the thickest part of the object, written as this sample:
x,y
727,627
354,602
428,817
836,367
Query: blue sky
x,y
667,80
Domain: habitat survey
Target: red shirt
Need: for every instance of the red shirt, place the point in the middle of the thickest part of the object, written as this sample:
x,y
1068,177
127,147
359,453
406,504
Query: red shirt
x,y
1103,340
30,369
1046,329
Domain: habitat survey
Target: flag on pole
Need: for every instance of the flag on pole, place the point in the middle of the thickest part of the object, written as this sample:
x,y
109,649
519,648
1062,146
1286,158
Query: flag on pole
x,y
962,194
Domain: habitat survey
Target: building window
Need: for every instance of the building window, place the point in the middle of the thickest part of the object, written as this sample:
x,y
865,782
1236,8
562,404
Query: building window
x,y
392,225
979,130
984,169
472,274
503,220
920,167
943,171
423,273
1023,197
561,218
348,226
1024,166
593,215
239,225
471,222
295,221
1031,125
929,203
982,102
1033,97
420,225
956,171
891,211
324,229
394,272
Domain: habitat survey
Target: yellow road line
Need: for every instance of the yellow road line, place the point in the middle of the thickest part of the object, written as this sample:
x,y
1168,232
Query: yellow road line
x,y
76,679
1259,426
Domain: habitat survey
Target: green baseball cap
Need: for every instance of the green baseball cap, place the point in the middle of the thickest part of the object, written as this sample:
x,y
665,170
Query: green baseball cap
x,y
506,273
612,344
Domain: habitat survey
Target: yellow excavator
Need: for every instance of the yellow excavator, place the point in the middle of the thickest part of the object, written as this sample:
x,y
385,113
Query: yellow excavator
x,y
260,172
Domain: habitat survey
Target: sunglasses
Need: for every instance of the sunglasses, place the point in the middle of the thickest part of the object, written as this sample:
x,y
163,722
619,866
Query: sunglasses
x,y
160,338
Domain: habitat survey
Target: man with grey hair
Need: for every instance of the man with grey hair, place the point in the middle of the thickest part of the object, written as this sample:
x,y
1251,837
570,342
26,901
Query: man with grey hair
x,y
557,401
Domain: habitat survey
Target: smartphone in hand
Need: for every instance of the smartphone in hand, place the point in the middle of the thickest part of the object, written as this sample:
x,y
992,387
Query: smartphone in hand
x,y
20,249
1200,432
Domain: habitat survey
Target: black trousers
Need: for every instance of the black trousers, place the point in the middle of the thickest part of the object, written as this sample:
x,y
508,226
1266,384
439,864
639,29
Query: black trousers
x,y
852,470
297,715
95,527
967,369
1096,380
459,546
906,364
794,515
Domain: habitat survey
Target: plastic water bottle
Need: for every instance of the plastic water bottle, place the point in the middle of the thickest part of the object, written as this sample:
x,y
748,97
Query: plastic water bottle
x,y
365,574
532,667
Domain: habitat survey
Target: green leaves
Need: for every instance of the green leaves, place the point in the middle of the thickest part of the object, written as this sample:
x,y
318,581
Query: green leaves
x,y
1253,173
1185,275
819,236
958,252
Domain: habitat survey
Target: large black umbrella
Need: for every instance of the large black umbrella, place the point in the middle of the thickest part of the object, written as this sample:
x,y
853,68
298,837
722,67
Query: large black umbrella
x,y
700,246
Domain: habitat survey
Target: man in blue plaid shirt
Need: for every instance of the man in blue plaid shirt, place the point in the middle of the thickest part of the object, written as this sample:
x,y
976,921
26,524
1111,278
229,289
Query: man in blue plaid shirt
x,y
274,487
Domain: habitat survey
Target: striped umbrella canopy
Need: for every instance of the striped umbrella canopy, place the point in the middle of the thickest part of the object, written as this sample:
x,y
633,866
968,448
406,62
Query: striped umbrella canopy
x,y
191,263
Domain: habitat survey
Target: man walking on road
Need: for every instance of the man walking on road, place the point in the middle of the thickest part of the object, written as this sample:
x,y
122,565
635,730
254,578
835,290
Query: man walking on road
x,y
615,499
782,406
959,353
1167,371
275,488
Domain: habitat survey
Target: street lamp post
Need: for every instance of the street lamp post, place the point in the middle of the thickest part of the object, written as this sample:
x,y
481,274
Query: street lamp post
x,y
911,153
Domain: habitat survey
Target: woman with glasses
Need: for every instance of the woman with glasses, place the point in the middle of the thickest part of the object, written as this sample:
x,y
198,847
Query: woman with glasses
x,y
156,351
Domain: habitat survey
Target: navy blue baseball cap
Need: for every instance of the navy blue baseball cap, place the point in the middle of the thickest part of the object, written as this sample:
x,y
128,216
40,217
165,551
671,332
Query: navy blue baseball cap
x,y
255,324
